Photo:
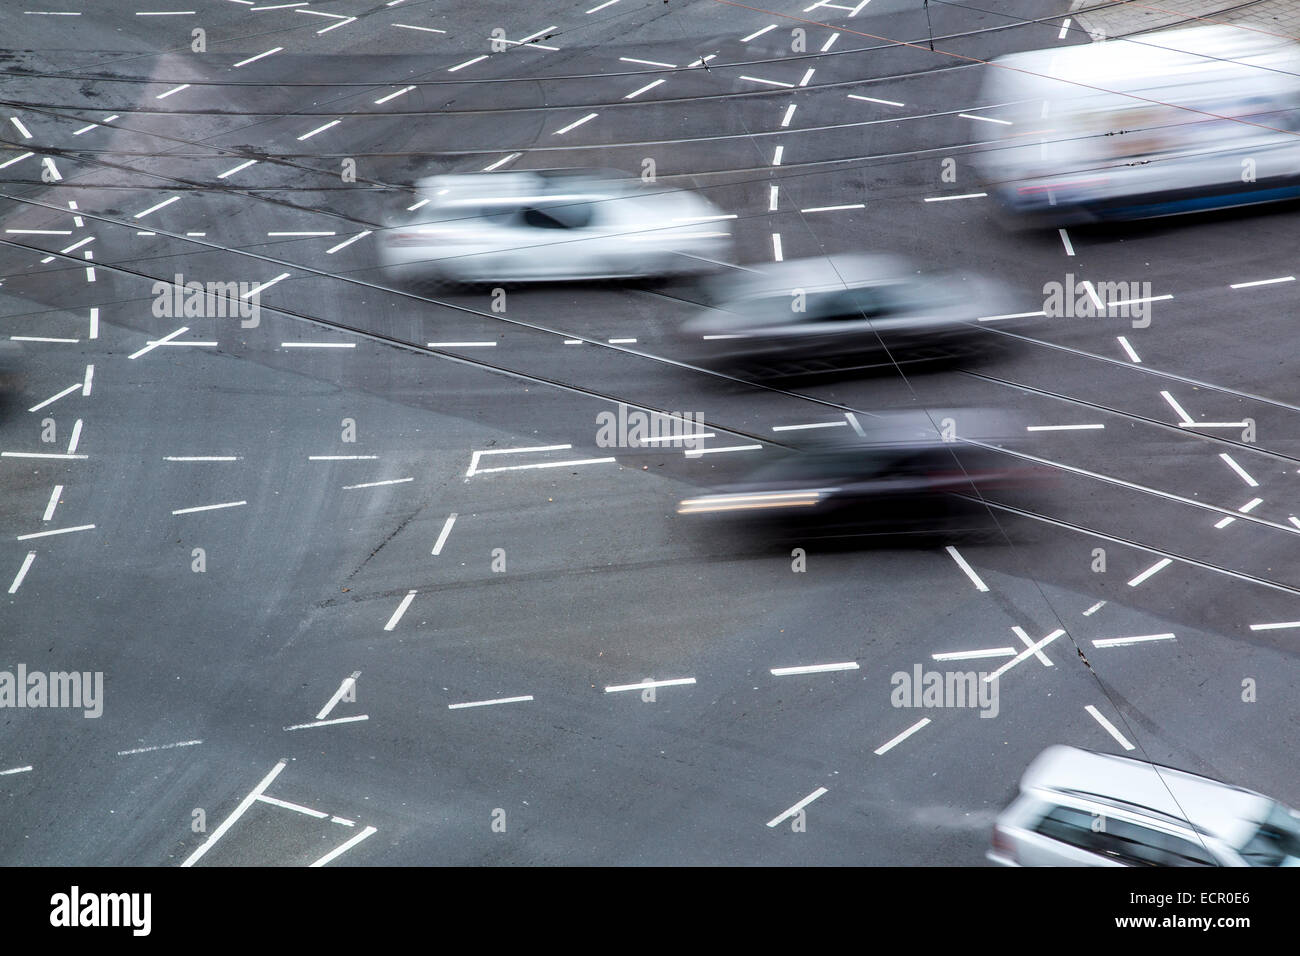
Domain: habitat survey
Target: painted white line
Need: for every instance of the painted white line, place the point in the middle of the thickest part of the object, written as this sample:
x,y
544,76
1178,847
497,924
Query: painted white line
x,y
54,398
872,99
318,345
1149,298
697,452
148,750
607,3
795,428
830,42
259,56
442,536
1094,609
407,26
78,244
329,723
156,207
271,234
343,821
1033,650
39,232
814,669
227,504
176,89
758,33
41,338
890,745
285,804
1276,626
1241,472
36,454
853,205
463,345
489,703
628,59
675,682
265,285
422,202
853,422
1249,285
86,382
348,683
1124,344
377,484
1213,424
239,811
549,464
16,159
1154,569
777,254
975,655
948,198
401,609
1065,241
635,93
807,77
503,160
985,119
1011,315
970,572
461,66
1065,27
94,323
789,114
342,457
392,96
21,128
22,572
1061,428
339,851
574,125
756,79
319,129
776,156
776,821
1110,728
5,773
201,458
347,242
53,503
343,23
1125,641
1178,409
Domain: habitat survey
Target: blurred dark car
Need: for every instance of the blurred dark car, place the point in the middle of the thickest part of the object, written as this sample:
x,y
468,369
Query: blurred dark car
x,y
843,314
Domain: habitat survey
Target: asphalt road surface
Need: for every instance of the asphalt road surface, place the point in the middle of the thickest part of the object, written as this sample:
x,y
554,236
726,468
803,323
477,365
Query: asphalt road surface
x,y
362,586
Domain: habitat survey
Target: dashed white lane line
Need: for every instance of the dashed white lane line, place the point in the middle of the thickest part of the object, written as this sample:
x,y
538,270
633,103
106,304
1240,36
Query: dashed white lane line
x,y
1275,626
1154,569
148,750
346,21
463,345
339,851
985,119
42,338
53,503
377,484
154,343
635,93
668,66
347,242
697,452
392,96
547,464
830,42
970,572
299,234
1065,28
442,536
17,159
238,812
856,425
1094,609
40,454
226,504
757,79
776,821
401,609
349,682
156,207
777,254
489,703
1062,428
319,129
1178,409
265,285
891,744
814,669
872,99
598,8
408,26
1110,728
461,66
1248,285
622,341
318,345
329,723
1009,315
175,89
646,684
342,457
39,232
789,115
22,572
253,59
1033,649
1065,241
21,128
505,159
1128,349
235,169
6,773
795,428
853,205
777,154
975,655
1245,509
201,458
54,398
1241,472
1138,639
807,77
46,534
758,33
575,124
950,198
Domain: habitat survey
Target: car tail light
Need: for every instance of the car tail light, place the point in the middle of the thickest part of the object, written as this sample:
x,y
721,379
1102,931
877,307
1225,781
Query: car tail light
x,y
1003,845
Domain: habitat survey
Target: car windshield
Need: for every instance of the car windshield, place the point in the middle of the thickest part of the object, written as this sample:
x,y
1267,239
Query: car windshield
x,y
1277,841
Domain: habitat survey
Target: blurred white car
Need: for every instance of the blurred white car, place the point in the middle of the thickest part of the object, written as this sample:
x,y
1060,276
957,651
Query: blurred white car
x,y
560,224
1078,808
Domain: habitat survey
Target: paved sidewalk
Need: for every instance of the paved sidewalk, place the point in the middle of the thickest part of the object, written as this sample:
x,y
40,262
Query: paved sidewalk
x,y
1132,16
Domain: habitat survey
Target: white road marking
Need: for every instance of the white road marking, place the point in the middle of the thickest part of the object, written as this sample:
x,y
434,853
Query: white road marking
x,y
1241,472
513,156
1012,315
42,338
239,811
1276,626
1247,508
776,821
461,66
1139,639
789,114
756,79
259,56
890,745
548,464
285,804
853,205
1061,428
1032,649
336,853
348,683
574,125
814,669
227,504
1248,285
270,234
1178,409
1154,569
16,159
21,128
265,285
146,750
985,119
1148,298
830,42
1026,640
675,682
697,452
342,457
319,129
53,503
407,26
1065,27
54,398
5,773
628,59
176,89
376,484
1110,728
347,242
776,156
22,572
1094,609
401,609
872,99
1065,241
329,723
758,33
39,232
462,345
392,96
794,428
970,572
489,703
607,3
318,345
853,421
948,198
1133,356
975,655
201,458
343,23
37,454
155,208
777,254
807,77
772,193
154,343
442,536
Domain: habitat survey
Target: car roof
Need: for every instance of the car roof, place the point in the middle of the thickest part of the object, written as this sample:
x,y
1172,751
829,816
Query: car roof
x,y
520,185
817,274
1222,810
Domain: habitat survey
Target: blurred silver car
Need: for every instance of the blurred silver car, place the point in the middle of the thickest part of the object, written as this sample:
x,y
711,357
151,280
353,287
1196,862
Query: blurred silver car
x,y
1172,122
842,313
559,224
1078,808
